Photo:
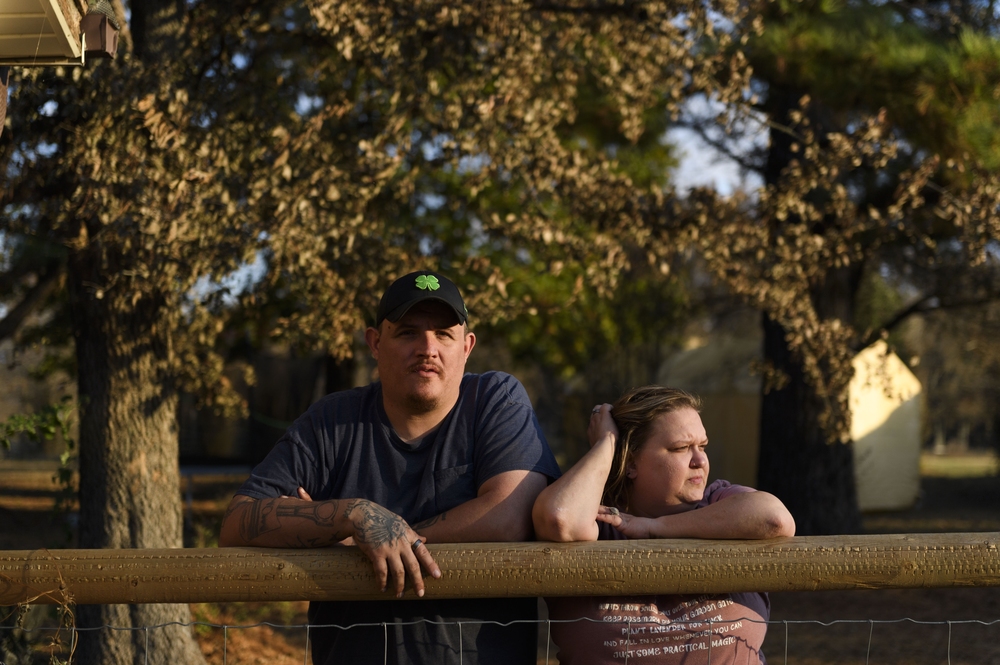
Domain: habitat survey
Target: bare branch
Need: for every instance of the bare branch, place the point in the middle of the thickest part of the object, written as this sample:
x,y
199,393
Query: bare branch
x,y
721,146
47,282
927,303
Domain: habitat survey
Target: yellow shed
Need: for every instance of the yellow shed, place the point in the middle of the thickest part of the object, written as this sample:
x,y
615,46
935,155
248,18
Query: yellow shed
x,y
886,403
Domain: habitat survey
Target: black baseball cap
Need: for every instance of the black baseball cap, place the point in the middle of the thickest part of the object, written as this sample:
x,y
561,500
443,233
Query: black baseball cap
x,y
416,287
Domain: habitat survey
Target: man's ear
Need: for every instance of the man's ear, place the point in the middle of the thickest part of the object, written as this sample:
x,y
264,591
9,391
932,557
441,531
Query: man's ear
x,y
372,338
470,342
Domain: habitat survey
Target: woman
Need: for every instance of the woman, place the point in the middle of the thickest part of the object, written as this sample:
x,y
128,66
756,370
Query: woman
x,y
646,476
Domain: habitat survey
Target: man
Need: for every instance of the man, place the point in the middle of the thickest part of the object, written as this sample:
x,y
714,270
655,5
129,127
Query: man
x,y
426,454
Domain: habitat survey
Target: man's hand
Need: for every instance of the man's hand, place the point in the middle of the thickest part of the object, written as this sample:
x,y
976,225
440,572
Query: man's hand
x,y
287,521
376,523
388,541
630,525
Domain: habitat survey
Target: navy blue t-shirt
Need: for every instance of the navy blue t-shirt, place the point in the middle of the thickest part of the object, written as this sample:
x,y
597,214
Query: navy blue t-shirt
x,y
344,447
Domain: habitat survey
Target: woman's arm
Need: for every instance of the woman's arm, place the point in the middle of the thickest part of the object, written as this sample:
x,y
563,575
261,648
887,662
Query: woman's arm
x,y
567,509
745,516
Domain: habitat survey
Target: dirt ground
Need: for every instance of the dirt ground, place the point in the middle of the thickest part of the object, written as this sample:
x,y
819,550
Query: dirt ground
x,y
886,626
890,627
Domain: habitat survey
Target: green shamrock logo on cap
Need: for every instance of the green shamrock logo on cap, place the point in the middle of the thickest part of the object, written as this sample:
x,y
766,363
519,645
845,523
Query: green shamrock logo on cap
x,y
428,283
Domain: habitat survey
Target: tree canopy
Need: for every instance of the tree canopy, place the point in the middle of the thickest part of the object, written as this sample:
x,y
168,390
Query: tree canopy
x,y
882,132
516,146
337,148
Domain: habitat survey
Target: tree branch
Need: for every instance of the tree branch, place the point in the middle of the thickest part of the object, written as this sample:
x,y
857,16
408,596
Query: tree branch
x,y
920,306
47,281
124,32
744,161
10,278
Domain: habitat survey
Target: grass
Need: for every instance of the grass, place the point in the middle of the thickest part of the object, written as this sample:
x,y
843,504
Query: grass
x,y
970,465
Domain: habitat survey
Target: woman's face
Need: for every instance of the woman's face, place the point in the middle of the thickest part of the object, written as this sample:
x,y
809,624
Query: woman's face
x,y
670,471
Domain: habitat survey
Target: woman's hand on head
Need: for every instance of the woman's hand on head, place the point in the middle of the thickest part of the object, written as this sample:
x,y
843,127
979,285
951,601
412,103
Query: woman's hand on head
x,y
630,525
602,426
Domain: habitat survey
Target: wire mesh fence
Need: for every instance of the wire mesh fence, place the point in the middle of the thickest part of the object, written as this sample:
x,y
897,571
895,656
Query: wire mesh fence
x,y
788,642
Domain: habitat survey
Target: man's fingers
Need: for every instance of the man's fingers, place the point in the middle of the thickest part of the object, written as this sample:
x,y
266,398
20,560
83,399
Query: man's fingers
x,y
398,572
393,547
427,561
300,493
413,568
381,573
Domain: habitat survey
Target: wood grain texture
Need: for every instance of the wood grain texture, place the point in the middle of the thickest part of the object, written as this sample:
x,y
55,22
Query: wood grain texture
x,y
492,570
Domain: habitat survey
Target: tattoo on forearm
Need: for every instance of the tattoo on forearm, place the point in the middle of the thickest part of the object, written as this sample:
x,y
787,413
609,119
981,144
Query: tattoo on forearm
x,y
232,509
265,515
430,521
374,525
254,520
321,513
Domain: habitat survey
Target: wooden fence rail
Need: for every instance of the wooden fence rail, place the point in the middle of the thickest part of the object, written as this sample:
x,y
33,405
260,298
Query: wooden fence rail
x,y
491,570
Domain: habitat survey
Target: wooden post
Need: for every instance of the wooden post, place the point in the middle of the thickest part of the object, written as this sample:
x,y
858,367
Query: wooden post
x,y
493,570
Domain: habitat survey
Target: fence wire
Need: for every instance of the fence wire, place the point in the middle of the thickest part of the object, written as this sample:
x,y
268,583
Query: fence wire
x,y
58,642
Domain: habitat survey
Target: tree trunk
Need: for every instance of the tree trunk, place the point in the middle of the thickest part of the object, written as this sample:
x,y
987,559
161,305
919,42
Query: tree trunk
x,y
814,478
4,79
129,476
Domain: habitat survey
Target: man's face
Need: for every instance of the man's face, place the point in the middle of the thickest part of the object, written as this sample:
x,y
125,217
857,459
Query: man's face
x,y
421,358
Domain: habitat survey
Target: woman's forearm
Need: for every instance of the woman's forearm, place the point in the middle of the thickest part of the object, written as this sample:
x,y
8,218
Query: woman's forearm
x,y
747,516
566,510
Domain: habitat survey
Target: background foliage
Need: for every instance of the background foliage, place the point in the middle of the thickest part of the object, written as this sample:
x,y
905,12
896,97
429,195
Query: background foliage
x,y
249,174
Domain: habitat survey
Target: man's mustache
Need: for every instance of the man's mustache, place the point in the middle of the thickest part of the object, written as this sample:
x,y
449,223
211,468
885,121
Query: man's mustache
x,y
424,365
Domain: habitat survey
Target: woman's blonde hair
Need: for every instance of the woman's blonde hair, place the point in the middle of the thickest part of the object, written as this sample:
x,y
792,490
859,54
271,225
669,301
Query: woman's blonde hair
x,y
634,414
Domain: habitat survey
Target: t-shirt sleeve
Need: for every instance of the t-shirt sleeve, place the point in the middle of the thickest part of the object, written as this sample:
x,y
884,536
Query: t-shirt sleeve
x,y
293,462
508,436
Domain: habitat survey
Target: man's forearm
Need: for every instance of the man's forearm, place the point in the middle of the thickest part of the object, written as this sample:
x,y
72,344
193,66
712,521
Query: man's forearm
x,y
501,512
384,537
284,522
473,521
